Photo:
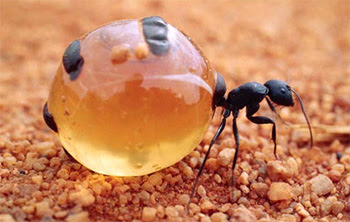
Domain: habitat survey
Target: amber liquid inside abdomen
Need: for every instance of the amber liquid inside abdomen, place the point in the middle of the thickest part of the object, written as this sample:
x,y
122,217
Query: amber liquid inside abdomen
x,y
136,117
135,132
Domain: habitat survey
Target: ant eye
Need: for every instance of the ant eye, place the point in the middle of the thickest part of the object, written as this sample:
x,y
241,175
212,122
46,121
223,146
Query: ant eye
x,y
283,90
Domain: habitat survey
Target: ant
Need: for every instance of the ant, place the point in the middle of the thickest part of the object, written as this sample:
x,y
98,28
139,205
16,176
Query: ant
x,y
249,95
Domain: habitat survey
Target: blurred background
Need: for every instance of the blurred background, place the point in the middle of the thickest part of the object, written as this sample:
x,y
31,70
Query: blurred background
x,y
301,41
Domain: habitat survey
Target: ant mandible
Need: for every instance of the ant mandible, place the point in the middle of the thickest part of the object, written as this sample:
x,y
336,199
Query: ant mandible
x,y
249,96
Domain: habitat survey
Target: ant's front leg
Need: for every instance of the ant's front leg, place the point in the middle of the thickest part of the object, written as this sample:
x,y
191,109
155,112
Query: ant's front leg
x,y
273,109
251,110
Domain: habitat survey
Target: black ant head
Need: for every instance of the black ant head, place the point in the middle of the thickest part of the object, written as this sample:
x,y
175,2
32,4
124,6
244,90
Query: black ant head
x,y
279,92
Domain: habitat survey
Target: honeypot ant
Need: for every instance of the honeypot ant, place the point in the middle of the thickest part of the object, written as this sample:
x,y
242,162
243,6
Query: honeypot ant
x,y
249,96
82,76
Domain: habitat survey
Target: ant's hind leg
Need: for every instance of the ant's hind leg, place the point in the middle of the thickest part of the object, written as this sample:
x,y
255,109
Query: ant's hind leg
x,y
262,120
217,134
236,135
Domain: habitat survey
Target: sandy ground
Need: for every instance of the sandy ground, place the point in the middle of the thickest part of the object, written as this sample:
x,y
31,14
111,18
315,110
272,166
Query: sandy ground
x,y
306,42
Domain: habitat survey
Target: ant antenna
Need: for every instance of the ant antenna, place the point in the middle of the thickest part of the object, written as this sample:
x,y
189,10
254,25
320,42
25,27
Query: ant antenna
x,y
307,120
217,134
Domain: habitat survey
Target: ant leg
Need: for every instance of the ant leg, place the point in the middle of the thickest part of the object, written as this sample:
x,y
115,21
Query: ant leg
x,y
251,109
217,134
236,135
272,107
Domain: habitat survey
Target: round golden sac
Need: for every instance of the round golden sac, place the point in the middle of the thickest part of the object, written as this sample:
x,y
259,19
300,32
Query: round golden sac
x,y
131,97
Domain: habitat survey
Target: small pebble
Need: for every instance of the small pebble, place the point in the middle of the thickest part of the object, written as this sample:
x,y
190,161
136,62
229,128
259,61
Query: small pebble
x,y
149,214
4,173
55,162
212,164
217,178
312,211
326,207
260,189
63,173
39,166
246,167
280,191
148,186
292,165
184,199
80,216
244,189
308,219
218,217
180,209
321,185
38,195
297,191
225,207
340,216
277,170
299,208
338,167
225,156
123,199
337,207
244,201
60,214
243,178
171,212
6,218
205,218
160,211
43,209
28,209
193,162
97,188
83,197
44,148
207,206
10,160
144,195
194,208
242,214
187,171
156,179
335,176
236,195
201,191
37,179
287,218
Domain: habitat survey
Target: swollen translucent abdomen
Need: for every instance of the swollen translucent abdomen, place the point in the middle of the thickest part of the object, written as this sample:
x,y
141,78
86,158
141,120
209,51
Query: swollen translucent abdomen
x,y
128,111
